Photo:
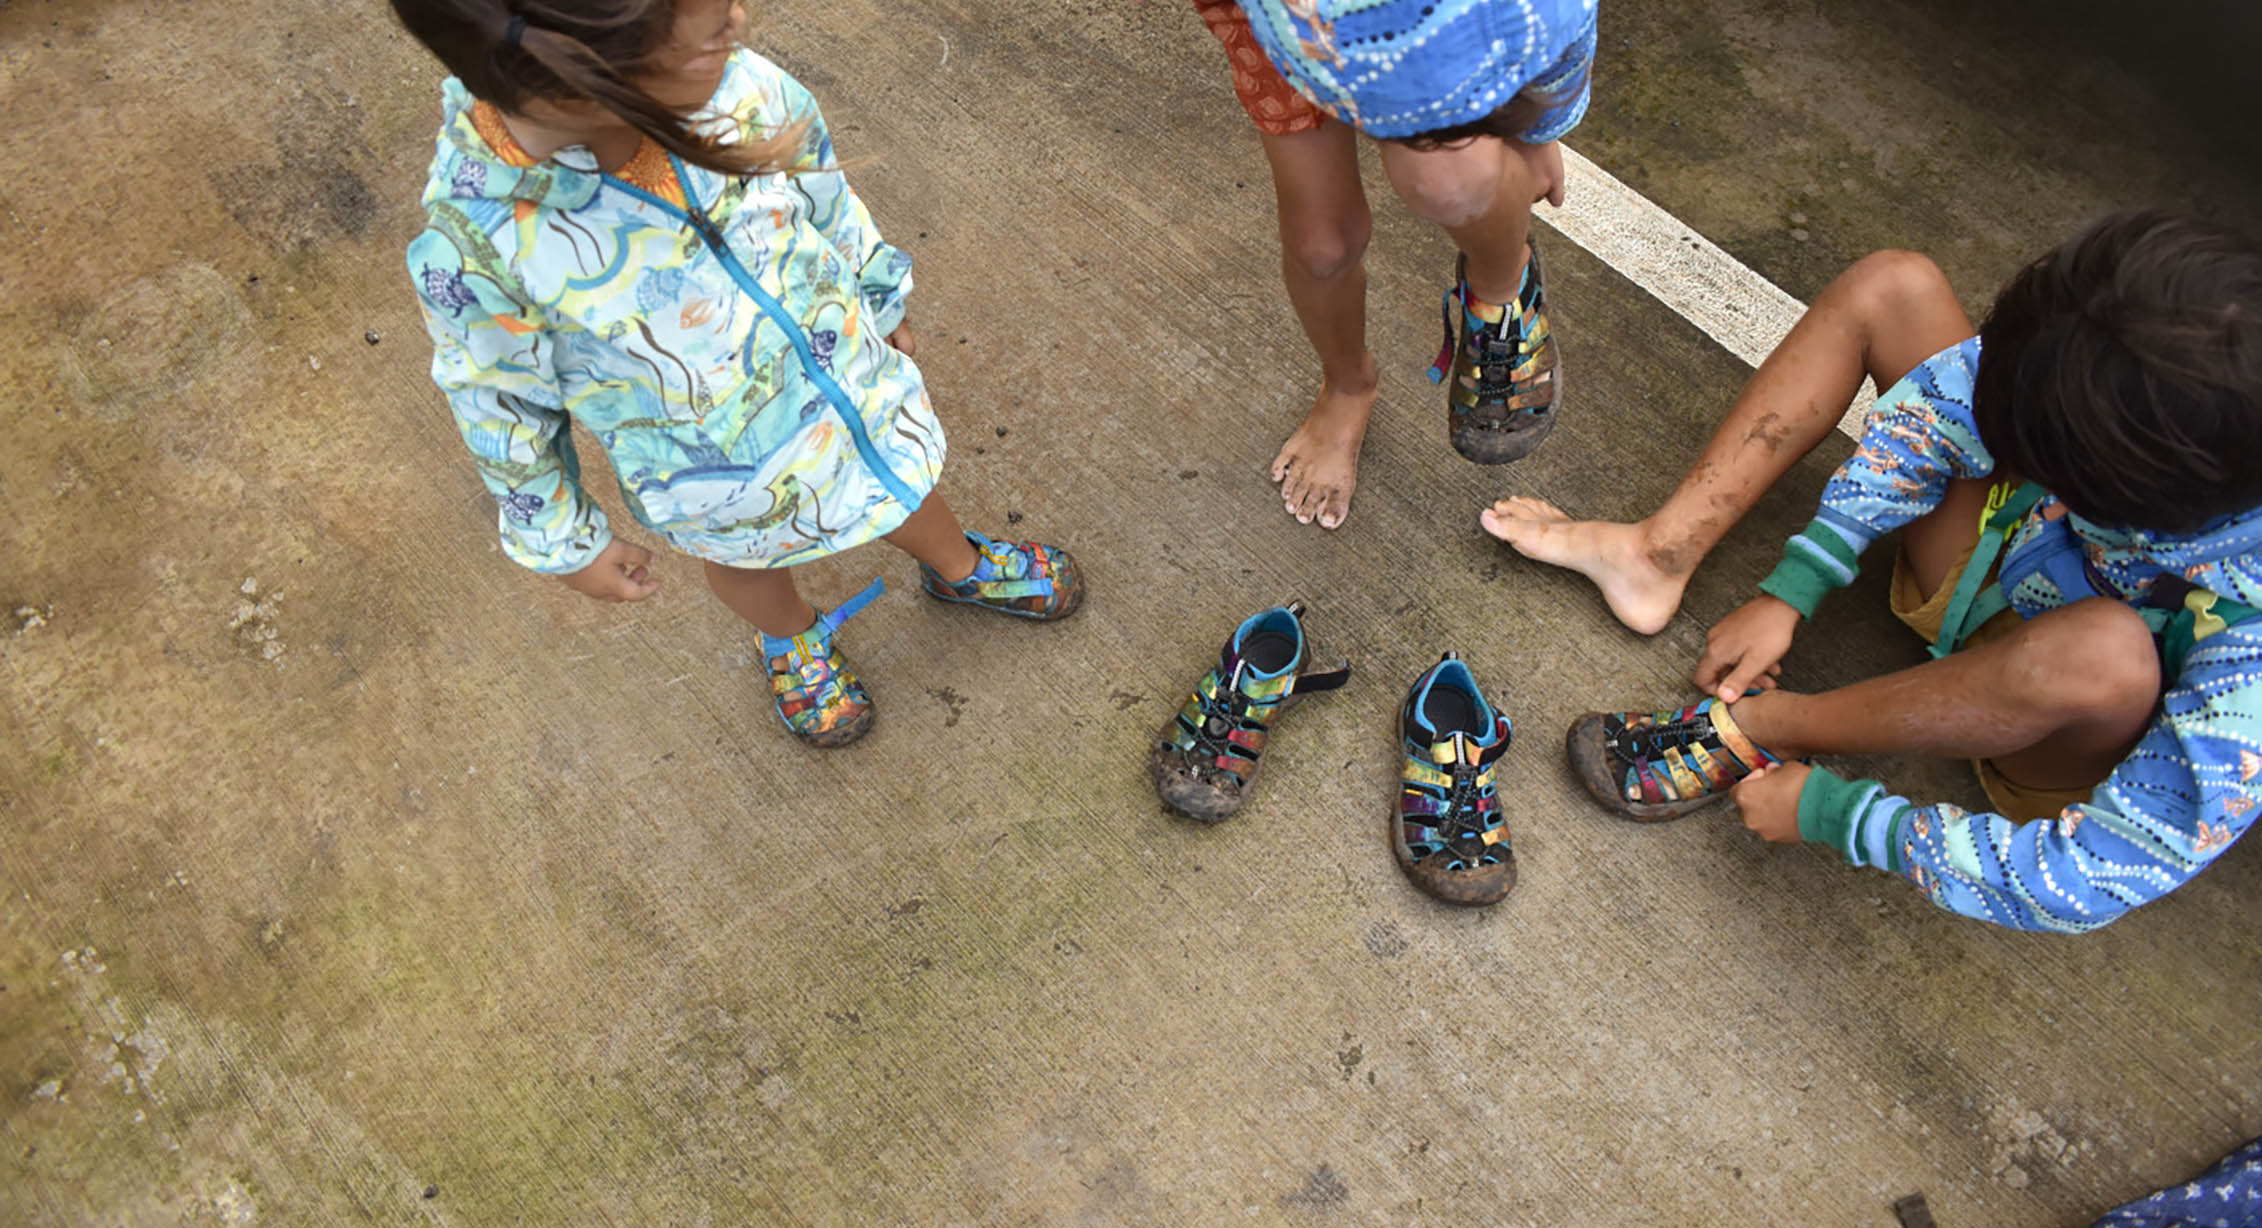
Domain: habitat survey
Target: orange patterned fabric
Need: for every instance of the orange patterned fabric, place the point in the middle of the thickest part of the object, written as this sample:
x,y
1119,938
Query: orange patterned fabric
x,y
648,168
1273,104
488,119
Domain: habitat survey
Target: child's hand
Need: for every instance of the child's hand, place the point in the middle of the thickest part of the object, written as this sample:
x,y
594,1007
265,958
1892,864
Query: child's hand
x,y
618,574
902,339
1769,800
1746,648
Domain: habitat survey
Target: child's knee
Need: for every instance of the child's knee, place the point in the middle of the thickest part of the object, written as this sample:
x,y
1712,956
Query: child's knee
x,y
1326,251
2095,657
1450,187
1888,284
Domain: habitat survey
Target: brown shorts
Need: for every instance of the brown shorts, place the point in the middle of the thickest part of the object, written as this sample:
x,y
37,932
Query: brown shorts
x,y
2014,801
1273,104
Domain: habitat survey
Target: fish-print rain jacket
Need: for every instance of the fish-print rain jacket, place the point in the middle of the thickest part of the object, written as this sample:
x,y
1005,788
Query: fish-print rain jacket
x,y
2189,787
724,338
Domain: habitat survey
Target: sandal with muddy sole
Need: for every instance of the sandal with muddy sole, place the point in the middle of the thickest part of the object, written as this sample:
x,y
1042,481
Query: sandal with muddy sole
x,y
816,694
1205,761
1447,831
1024,579
1502,372
1653,767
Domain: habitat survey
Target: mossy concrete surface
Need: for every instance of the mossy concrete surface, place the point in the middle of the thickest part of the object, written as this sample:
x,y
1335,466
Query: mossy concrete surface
x,y
352,875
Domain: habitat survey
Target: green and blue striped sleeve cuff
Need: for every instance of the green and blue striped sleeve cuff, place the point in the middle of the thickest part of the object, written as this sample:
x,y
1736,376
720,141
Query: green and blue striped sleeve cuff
x,y
1855,817
1815,561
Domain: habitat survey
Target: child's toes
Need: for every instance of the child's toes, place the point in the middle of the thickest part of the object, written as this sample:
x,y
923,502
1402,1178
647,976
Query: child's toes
x,y
1336,507
1292,490
1525,507
1499,524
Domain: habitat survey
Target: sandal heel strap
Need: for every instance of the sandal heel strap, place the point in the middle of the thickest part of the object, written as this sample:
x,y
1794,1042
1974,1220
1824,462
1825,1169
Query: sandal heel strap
x,y
820,633
853,606
1443,363
1733,737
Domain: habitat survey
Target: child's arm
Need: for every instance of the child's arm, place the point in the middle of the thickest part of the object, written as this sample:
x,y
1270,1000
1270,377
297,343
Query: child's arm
x,y
883,272
1919,437
494,364
2189,788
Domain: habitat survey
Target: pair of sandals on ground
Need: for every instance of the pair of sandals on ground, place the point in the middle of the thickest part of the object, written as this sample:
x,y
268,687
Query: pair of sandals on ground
x,y
1447,830
1501,373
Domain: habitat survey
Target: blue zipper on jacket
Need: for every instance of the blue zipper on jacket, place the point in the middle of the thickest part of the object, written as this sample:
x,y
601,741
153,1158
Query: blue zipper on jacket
x,y
844,407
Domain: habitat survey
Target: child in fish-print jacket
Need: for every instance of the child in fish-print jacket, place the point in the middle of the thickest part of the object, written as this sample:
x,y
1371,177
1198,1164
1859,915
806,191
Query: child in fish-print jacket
x,y
640,226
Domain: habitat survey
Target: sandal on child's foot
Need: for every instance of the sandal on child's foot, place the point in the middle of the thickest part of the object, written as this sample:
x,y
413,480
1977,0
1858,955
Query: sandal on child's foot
x,y
1024,579
1505,378
1205,760
819,698
1654,766
1448,833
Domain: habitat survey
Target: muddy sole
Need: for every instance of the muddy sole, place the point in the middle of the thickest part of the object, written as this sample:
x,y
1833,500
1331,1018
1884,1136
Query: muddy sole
x,y
845,735
1506,447
1192,800
1502,448
1460,888
1590,761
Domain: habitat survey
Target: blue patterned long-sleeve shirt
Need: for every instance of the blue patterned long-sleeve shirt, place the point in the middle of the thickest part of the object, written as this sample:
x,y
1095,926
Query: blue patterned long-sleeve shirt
x,y
2192,783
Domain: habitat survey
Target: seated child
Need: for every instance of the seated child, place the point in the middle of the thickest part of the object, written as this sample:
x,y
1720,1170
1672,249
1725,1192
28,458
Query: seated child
x,y
2081,516
1467,99
636,224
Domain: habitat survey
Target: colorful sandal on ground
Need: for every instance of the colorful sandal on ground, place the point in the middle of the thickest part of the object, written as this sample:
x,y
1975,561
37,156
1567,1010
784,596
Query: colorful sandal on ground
x,y
1654,766
1505,377
818,697
1024,579
1205,760
1449,834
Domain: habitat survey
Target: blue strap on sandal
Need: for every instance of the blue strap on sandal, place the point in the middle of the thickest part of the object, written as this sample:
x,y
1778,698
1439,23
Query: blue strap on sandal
x,y
817,695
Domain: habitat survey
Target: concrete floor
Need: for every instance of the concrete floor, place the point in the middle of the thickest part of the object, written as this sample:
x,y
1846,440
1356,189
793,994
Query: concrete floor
x,y
352,875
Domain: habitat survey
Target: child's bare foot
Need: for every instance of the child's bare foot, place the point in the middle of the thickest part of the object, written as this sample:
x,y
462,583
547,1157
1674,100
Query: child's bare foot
x,y
1638,585
1319,465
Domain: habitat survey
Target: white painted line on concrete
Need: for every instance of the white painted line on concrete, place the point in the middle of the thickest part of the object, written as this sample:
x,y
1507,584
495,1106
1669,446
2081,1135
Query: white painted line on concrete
x,y
1746,313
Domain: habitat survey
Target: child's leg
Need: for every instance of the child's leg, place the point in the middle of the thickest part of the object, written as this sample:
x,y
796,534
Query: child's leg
x,y
1481,193
765,597
1324,226
2055,704
933,536
1879,319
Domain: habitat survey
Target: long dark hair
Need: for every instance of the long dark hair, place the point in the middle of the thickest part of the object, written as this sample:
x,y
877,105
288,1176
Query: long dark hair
x,y
2123,372
577,51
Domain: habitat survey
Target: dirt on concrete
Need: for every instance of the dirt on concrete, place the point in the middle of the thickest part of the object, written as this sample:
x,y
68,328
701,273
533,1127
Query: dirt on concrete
x,y
353,875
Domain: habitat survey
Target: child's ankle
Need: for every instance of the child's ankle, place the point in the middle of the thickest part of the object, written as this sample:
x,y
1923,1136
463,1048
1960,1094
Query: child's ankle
x,y
1760,718
1666,550
1498,288
806,624
1360,381
962,569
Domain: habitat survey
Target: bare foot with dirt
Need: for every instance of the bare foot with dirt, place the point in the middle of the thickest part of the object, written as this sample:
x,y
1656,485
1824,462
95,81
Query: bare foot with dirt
x,y
1318,467
1634,580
